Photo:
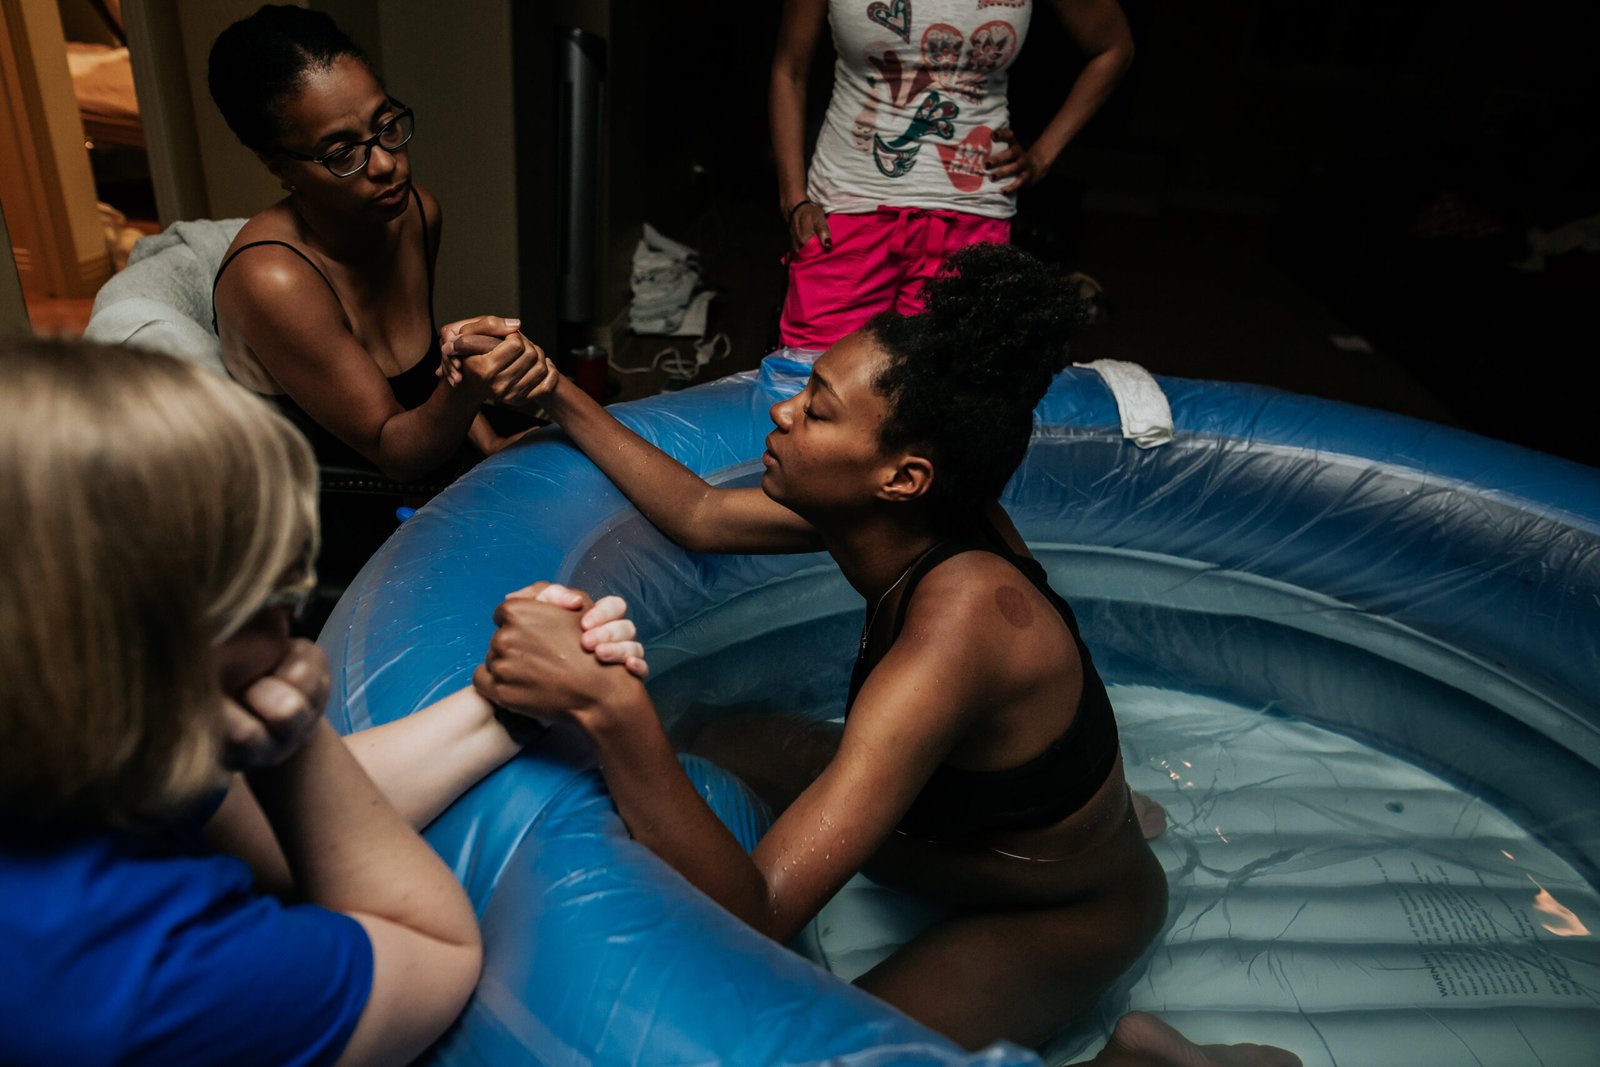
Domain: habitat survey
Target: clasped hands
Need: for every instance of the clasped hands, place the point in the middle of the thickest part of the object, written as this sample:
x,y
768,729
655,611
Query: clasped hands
x,y
549,662
488,356
554,652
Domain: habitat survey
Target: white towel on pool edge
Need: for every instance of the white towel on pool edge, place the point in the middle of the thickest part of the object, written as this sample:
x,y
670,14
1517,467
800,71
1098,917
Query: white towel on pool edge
x,y
1142,406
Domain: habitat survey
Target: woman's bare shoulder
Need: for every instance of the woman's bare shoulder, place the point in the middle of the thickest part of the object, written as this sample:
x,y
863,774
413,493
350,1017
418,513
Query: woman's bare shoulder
x,y
275,223
976,597
272,268
967,571
272,283
430,204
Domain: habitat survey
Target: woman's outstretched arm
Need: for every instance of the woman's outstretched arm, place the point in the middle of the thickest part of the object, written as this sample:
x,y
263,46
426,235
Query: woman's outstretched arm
x,y
681,504
423,762
902,727
420,764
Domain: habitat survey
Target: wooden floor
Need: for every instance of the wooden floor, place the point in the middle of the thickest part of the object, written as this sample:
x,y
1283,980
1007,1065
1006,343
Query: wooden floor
x,y
59,316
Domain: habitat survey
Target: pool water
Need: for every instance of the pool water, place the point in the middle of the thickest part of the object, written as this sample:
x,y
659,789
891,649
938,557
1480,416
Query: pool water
x,y
1376,853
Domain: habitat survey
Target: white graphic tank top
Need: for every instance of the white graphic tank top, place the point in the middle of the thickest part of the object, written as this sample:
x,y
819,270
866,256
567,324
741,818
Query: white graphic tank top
x,y
918,90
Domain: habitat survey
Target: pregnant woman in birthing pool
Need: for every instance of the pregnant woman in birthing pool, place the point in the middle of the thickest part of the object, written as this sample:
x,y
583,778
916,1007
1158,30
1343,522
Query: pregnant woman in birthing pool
x,y
978,760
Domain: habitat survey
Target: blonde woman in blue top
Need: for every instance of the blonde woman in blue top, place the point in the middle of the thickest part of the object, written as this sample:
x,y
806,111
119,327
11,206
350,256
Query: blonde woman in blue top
x,y
193,867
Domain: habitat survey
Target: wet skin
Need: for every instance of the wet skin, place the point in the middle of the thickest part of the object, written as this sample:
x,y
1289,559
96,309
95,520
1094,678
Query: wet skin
x,y
983,675
1041,936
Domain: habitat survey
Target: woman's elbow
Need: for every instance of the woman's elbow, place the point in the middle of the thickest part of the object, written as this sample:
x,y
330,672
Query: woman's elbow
x,y
468,969
1124,53
690,528
397,466
691,539
455,980
788,80
404,473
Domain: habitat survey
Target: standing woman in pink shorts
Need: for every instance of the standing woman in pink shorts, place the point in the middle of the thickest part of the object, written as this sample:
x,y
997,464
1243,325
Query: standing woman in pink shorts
x,y
916,157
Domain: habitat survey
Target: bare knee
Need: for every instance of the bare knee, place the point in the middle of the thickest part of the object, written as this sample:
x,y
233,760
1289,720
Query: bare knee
x,y
774,754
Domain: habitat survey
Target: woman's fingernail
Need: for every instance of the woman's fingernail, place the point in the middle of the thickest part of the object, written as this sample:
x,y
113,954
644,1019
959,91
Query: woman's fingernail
x,y
513,323
280,701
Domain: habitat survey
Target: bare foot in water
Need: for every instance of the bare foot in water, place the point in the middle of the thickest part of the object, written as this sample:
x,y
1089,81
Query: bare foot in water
x,y
1152,816
1142,1040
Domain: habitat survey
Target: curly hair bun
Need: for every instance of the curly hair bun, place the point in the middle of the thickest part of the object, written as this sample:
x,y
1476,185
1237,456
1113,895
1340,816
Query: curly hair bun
x,y
1004,316
965,374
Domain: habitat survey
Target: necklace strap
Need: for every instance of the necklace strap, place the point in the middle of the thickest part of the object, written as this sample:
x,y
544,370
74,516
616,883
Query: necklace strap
x,y
872,616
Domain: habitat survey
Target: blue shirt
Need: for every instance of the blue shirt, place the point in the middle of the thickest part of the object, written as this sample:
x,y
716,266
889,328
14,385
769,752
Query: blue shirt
x,y
147,948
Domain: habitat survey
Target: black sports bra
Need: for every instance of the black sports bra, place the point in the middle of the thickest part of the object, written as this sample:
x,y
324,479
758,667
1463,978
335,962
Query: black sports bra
x,y
958,803
411,387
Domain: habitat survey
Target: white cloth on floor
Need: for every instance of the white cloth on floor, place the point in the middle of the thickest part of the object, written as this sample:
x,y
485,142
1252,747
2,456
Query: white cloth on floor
x,y
666,275
696,315
162,299
1141,405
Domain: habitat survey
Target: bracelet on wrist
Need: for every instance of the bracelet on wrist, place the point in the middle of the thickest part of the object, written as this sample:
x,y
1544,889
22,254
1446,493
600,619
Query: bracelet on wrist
x,y
789,220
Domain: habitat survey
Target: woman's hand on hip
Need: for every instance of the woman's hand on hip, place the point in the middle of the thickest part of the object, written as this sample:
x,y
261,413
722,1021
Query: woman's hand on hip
x,y
1015,162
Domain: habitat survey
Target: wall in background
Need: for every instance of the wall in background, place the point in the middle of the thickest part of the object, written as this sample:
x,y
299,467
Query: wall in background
x,y
45,181
13,309
459,73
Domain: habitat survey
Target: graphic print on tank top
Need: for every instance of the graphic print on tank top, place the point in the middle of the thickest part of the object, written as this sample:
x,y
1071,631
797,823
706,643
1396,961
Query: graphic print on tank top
x,y
948,67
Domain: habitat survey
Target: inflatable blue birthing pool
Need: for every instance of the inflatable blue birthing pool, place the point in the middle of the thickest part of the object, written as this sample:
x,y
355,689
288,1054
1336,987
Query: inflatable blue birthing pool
x,y
1356,656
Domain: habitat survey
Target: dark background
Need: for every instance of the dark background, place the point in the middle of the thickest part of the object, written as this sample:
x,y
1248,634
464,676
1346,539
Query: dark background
x,y
1336,198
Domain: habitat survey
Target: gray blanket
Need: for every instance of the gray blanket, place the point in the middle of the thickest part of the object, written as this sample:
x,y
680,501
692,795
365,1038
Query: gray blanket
x,y
162,299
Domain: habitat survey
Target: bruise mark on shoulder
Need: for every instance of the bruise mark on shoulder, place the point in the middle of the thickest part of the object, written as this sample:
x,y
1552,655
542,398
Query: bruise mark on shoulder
x,y
1014,606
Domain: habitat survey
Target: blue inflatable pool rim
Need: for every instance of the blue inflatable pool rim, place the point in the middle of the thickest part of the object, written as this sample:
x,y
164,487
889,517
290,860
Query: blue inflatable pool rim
x,y
597,953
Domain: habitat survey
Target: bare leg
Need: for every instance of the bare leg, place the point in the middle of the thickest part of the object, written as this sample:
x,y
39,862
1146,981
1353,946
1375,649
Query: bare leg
x,y
1064,962
1152,816
1021,973
1142,1040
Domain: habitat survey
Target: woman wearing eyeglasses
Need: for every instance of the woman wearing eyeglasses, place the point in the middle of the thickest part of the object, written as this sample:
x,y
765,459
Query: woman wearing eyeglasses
x,y
324,302
158,725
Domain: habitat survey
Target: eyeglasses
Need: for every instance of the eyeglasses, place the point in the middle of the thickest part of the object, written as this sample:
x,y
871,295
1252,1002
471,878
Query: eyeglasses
x,y
296,596
351,159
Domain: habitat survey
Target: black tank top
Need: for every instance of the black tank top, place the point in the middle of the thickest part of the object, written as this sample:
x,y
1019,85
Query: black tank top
x,y
411,387
958,803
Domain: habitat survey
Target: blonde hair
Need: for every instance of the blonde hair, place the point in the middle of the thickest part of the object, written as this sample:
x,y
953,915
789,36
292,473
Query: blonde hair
x,y
148,507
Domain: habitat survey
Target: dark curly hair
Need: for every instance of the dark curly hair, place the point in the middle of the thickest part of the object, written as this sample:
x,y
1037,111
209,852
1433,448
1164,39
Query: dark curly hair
x,y
965,373
259,62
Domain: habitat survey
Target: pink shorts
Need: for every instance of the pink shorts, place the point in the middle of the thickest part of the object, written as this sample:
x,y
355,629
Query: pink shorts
x,y
878,262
